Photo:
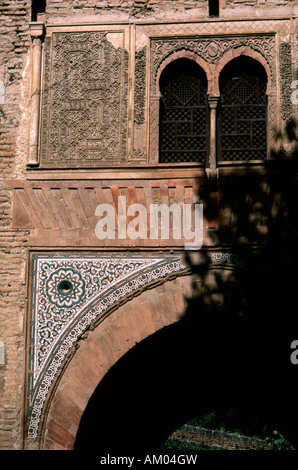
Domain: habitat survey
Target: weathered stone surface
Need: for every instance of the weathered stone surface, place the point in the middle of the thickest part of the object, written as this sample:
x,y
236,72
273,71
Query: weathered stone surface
x,y
216,439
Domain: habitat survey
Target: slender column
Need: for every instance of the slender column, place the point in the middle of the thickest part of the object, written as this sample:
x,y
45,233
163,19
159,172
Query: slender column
x,y
154,129
212,170
36,34
273,120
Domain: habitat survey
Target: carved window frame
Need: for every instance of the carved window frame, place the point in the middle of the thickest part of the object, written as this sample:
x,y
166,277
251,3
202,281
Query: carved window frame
x,y
212,54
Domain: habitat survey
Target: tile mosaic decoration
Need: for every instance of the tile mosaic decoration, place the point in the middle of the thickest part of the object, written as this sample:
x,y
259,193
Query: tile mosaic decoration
x,y
69,292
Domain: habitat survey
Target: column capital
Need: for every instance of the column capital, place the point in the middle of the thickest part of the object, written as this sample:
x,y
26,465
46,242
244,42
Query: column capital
x,y
155,97
212,101
212,177
37,29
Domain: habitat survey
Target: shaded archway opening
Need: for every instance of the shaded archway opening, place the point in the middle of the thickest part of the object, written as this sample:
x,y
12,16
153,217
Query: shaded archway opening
x,y
184,119
178,373
242,111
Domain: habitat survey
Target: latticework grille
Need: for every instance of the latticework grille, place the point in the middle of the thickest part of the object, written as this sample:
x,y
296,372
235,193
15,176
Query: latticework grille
x,y
183,124
242,120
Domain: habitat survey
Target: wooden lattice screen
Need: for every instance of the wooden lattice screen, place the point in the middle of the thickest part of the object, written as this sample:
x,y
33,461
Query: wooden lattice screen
x,y
184,121
242,119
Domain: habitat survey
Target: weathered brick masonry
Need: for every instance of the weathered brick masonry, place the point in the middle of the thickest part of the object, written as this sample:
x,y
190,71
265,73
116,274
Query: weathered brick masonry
x,y
14,56
13,257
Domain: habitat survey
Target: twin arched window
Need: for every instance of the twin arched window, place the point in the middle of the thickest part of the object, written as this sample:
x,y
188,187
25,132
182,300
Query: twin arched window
x,y
241,113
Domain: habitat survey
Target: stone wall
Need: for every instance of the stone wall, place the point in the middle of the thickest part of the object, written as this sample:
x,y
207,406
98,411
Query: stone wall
x,y
217,439
62,10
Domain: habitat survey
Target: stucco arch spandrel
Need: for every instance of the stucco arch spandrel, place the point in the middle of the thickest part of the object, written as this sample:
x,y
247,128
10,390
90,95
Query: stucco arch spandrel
x,y
233,54
102,347
98,285
95,286
186,54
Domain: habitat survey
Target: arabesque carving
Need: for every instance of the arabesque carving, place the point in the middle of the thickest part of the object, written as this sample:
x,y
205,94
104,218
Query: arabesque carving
x,y
84,105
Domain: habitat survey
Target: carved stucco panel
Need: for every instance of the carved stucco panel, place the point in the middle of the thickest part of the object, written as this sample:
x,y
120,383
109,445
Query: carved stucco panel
x,y
84,99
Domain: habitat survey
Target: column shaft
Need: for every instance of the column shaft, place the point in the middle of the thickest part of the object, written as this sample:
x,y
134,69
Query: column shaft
x,y
35,101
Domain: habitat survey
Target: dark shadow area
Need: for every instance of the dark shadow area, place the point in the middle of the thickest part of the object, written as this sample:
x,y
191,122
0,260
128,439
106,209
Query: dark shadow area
x,y
38,6
213,6
232,348
181,372
254,216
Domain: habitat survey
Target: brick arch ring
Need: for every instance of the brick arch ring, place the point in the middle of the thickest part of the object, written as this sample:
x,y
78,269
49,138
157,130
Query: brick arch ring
x,y
101,348
233,54
185,54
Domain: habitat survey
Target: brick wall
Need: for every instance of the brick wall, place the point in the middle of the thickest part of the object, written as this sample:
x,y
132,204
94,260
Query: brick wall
x,y
15,42
274,8
14,39
259,3
14,47
60,9
12,314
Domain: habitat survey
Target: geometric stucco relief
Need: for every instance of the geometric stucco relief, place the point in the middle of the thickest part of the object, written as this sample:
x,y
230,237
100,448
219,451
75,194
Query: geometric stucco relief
x,y
72,292
211,49
84,99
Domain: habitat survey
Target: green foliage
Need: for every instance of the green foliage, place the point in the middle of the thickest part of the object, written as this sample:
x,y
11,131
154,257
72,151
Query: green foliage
x,y
226,421
232,421
279,442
